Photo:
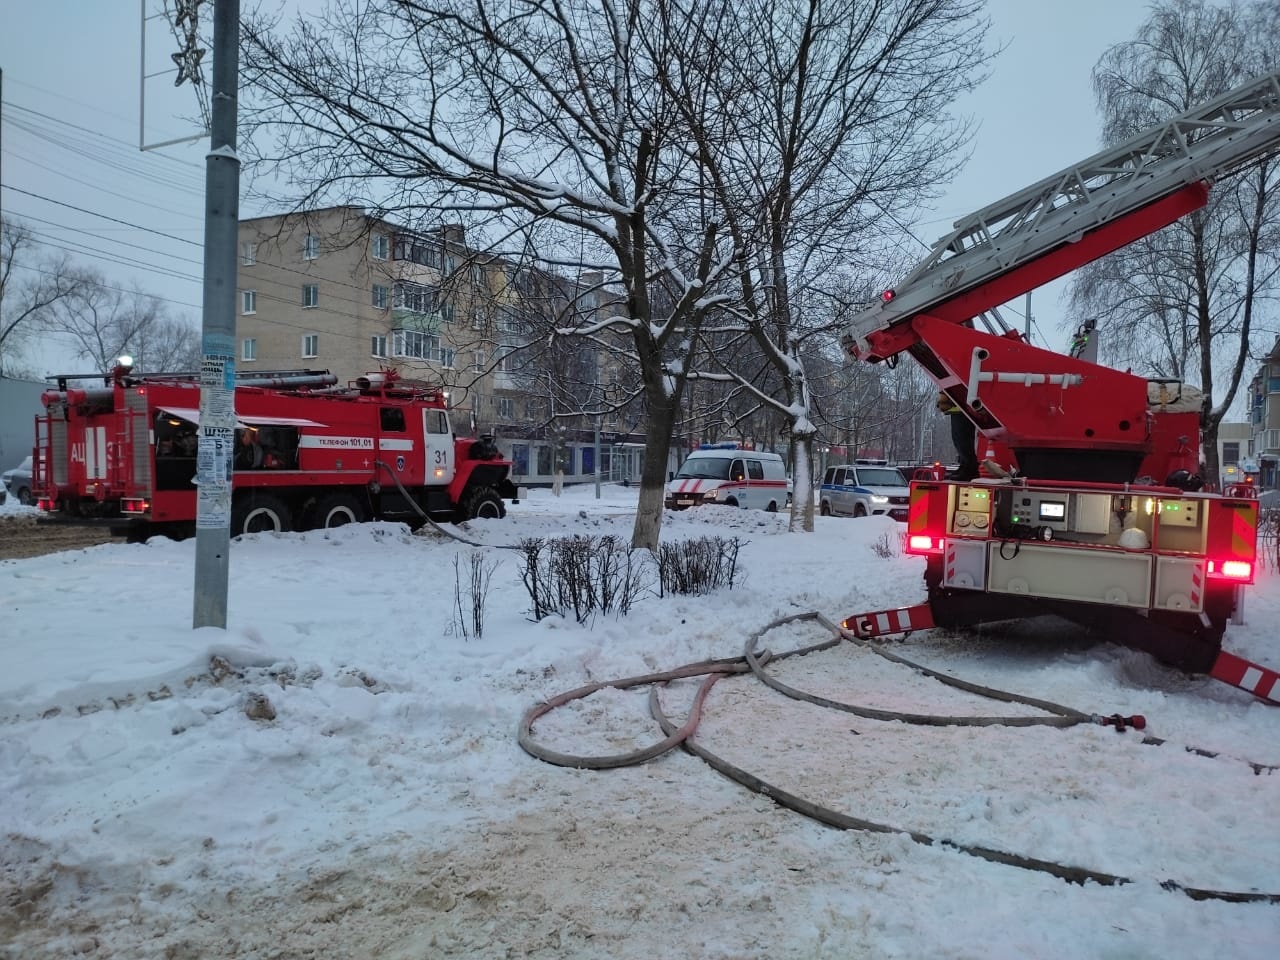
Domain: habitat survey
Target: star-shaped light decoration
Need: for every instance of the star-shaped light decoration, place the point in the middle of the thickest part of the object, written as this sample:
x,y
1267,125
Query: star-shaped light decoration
x,y
185,10
188,62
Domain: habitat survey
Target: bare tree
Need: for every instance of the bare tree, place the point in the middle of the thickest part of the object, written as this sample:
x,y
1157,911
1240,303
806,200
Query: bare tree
x,y
30,288
539,116
105,323
1184,303
826,125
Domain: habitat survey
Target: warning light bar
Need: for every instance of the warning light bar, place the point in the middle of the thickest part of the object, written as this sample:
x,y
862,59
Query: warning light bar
x,y
921,543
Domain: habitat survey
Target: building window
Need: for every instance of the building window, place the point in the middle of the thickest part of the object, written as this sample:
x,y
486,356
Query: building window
x,y
381,296
417,298
381,246
477,361
520,459
310,294
378,345
417,250
510,322
446,357
506,363
311,344
415,345
249,349
311,247
248,302
506,408
450,263
477,276
248,254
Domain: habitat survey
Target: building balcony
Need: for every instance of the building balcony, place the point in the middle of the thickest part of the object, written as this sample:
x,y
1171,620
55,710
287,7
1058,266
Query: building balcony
x,y
403,318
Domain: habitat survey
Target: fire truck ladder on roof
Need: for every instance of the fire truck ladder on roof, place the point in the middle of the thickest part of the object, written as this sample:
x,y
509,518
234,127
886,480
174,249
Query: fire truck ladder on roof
x,y
983,255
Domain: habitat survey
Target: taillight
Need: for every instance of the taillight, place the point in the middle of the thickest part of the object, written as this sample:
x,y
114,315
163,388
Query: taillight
x,y
927,517
1231,569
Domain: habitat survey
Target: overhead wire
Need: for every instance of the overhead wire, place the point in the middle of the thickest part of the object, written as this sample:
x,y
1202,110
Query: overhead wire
x,y
123,158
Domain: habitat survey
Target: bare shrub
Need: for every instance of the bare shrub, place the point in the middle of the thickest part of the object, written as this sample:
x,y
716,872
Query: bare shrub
x,y
887,545
581,576
1269,537
470,592
697,566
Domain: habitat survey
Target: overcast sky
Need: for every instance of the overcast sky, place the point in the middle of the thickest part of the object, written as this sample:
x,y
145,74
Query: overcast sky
x,y
71,133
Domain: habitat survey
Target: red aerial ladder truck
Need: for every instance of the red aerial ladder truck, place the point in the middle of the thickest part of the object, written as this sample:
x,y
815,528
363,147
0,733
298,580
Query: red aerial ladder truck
x,y
1102,520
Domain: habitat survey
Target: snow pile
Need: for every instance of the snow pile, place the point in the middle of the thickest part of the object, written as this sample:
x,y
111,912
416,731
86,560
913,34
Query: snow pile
x,y
387,811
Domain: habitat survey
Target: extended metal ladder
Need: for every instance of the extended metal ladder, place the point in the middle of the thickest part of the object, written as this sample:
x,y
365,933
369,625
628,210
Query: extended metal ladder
x,y
1163,171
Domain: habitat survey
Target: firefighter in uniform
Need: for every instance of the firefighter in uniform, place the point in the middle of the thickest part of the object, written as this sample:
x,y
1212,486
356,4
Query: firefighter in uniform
x,y
963,435
249,455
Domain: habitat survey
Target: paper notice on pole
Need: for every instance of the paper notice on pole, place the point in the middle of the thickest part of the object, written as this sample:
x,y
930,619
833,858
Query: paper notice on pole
x,y
213,512
217,391
213,491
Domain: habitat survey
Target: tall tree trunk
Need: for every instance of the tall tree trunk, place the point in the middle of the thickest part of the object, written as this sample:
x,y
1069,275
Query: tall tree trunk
x,y
653,478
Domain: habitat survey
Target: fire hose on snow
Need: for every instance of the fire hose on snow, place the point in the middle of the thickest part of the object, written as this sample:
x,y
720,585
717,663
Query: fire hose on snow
x,y
755,662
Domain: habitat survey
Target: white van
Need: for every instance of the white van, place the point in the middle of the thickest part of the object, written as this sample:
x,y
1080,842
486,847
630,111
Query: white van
x,y
722,473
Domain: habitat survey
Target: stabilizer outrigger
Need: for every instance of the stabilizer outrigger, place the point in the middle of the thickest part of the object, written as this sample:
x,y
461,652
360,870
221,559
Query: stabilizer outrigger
x,y
1262,682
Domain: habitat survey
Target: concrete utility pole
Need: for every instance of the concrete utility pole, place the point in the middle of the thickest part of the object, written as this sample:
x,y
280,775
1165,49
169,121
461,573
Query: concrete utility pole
x,y
218,368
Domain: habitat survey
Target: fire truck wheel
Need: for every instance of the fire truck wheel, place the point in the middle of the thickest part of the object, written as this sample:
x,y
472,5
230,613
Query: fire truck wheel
x,y
484,502
339,509
259,513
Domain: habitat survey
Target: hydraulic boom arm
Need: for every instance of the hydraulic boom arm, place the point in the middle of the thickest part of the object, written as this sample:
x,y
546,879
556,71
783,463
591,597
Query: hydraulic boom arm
x,y
1075,216
1063,417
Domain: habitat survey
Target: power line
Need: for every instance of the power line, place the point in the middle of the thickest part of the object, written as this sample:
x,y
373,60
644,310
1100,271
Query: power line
x,y
72,206
108,286
123,243
87,251
100,189
106,152
132,148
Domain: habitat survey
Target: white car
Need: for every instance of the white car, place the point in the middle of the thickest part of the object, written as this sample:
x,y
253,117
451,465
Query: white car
x,y
18,482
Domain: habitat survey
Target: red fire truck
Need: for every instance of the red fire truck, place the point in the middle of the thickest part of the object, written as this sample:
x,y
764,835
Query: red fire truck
x,y
308,453
1098,515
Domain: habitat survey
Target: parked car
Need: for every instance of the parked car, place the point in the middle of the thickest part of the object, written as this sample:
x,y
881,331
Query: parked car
x,y
862,490
18,482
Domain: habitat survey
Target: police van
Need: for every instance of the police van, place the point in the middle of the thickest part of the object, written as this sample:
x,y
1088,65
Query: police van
x,y
864,488
725,474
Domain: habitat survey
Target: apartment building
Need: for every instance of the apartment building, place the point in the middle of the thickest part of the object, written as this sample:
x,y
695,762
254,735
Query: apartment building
x,y
339,289
1264,418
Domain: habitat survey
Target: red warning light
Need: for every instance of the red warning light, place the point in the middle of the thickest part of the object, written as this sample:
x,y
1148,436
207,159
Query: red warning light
x,y
887,296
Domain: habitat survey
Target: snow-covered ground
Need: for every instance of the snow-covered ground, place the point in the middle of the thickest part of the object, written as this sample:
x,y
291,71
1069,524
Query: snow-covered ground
x,y
388,811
